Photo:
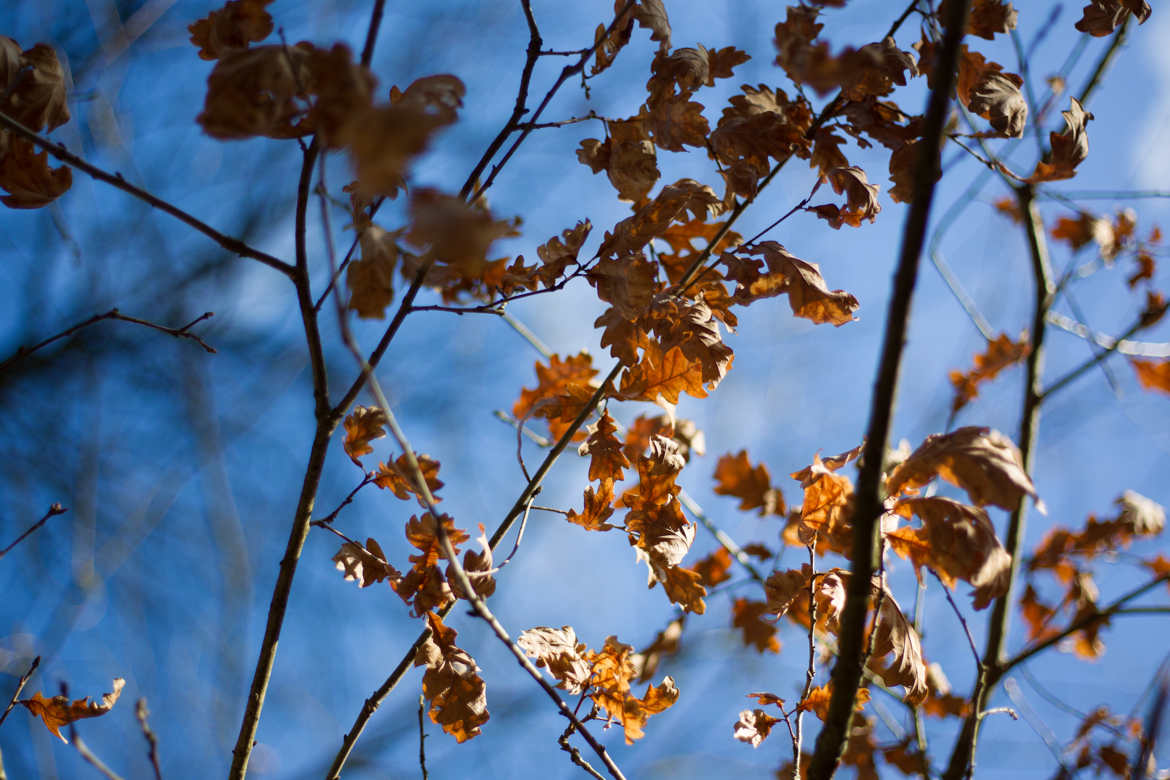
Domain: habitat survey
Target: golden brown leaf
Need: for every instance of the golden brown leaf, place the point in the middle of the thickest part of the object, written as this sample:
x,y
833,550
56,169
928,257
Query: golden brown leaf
x,y
817,701
807,293
956,542
861,200
231,28
754,726
370,278
60,711
606,458
612,670
1001,353
362,425
257,92
598,509
32,87
366,565
452,683
424,585
397,477
748,616
26,175
982,461
558,650
563,388
559,251
989,18
752,485
826,509
627,156
665,643
997,98
783,589
1153,374
458,234
1070,147
666,375
478,568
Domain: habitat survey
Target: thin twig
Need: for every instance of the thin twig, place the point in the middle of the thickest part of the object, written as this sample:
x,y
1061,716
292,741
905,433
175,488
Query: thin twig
x,y
24,678
233,245
422,737
329,518
847,672
114,314
962,620
55,509
372,32
141,713
326,422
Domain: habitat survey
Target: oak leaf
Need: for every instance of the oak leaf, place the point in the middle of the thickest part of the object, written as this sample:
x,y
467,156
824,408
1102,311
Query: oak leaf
x,y
1001,353
998,99
982,461
458,234
808,295
662,374
60,711
665,643
451,682
989,18
32,87
826,509
748,616
754,726
424,585
362,425
1070,147
478,568
606,458
231,28
370,278
1102,17
715,568
598,509
627,156
956,542
752,485
563,388
559,251
26,175
861,200
558,650
398,479
365,565
258,92
817,701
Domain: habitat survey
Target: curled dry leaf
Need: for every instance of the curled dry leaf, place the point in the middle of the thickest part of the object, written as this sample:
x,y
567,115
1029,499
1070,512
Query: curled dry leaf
x,y
1102,17
754,726
231,28
612,669
598,508
861,200
956,541
817,701
748,616
25,174
998,99
365,565
826,509
627,156
424,585
563,387
989,18
558,650
478,568
808,295
60,711
452,683
1070,147
982,461
458,234
559,251
362,425
32,86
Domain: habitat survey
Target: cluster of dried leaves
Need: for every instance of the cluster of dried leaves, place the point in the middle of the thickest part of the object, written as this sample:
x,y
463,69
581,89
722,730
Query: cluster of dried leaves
x,y
670,276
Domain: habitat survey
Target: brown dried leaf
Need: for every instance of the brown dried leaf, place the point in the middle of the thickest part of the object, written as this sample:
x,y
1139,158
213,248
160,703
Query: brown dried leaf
x,y
956,542
605,451
748,616
397,477
26,175
370,278
60,711
563,388
817,701
362,425
366,565
559,251
754,726
982,461
478,568
598,509
861,198
998,99
989,18
231,28
1070,147
662,374
257,92
1102,17
1001,353
558,650
452,683
32,86
752,485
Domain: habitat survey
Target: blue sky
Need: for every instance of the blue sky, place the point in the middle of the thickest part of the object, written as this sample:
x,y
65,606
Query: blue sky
x,y
181,469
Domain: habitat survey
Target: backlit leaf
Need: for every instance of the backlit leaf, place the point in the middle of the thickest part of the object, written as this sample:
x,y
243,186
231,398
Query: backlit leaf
x,y
60,711
451,683
362,425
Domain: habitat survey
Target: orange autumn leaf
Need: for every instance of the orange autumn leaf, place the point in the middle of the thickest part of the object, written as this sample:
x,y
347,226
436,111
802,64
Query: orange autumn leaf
x,y
817,701
451,683
424,586
665,374
612,671
370,277
748,616
563,387
1153,374
808,295
752,485
606,458
60,711
1070,147
1001,353
232,27
956,542
861,198
362,425
398,479
598,508
982,461
1102,17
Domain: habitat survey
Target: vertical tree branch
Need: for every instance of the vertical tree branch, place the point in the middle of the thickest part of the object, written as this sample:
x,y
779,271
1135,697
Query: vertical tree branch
x,y
847,672
993,668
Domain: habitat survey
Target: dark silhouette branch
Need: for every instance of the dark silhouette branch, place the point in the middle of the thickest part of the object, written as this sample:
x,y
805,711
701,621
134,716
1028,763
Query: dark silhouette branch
x,y
54,510
847,672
